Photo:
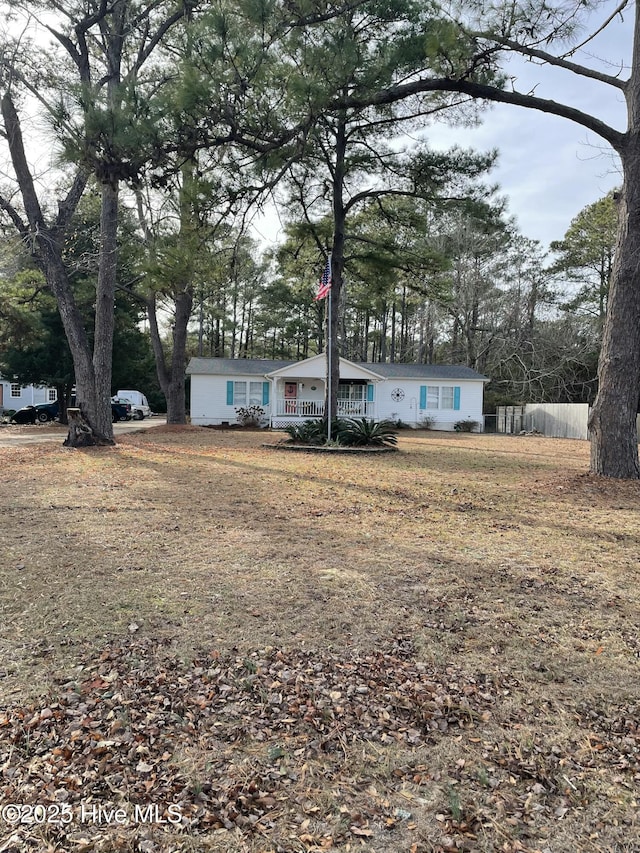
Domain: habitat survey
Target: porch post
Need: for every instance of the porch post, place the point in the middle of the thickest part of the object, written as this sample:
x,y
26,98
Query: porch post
x,y
273,383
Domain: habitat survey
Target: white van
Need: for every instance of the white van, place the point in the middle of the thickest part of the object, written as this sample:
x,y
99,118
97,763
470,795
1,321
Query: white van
x,y
139,404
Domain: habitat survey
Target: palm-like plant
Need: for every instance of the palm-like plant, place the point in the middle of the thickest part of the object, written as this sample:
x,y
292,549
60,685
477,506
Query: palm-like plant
x,y
312,432
362,432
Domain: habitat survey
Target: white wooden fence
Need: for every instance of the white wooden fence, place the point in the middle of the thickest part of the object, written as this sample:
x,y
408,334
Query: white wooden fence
x,y
560,420
557,420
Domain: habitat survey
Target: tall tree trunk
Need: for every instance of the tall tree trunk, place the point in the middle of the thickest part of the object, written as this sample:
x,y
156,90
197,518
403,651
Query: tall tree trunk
x,y
384,328
614,439
56,276
49,241
176,405
392,349
201,325
365,336
612,424
234,312
404,326
101,418
172,377
337,258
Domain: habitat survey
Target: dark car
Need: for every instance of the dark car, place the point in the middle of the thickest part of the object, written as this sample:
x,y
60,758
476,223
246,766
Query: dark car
x,y
46,412
26,415
49,412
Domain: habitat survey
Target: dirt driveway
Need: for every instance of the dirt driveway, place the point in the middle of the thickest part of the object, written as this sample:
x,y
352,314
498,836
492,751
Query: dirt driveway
x,y
16,436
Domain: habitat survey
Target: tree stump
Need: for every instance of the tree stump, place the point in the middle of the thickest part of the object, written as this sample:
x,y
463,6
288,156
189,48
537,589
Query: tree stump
x,y
80,433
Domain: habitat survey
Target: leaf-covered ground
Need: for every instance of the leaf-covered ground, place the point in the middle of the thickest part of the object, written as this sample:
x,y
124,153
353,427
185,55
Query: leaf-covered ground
x,y
212,645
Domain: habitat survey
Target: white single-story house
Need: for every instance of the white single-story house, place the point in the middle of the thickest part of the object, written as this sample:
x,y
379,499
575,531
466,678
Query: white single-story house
x,y
16,396
293,391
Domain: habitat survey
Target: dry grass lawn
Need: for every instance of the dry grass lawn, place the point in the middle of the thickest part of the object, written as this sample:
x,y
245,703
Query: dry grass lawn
x,y
431,650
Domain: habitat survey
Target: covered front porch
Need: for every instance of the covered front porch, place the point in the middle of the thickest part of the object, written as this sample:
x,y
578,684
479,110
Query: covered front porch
x,y
299,395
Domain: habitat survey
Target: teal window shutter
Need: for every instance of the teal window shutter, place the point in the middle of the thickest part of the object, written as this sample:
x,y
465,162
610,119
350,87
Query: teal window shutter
x,y
369,393
456,397
229,393
423,396
265,393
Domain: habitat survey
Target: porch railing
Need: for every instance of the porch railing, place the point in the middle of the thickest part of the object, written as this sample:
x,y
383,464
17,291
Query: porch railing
x,y
298,408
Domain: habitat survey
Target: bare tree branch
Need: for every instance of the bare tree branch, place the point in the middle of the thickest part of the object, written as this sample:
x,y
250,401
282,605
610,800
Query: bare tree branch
x,y
488,93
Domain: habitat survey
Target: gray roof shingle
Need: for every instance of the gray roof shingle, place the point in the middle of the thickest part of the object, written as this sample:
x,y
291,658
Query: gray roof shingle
x,y
261,366
235,366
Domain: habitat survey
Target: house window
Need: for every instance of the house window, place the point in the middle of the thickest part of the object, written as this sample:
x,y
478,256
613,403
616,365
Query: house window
x,y
51,395
255,393
352,393
440,397
239,393
446,397
16,390
433,397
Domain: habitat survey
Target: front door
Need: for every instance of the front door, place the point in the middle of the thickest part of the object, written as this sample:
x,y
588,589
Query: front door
x,y
290,397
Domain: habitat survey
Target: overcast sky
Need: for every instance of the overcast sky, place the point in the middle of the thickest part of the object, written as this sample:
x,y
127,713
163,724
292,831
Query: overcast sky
x,y
548,167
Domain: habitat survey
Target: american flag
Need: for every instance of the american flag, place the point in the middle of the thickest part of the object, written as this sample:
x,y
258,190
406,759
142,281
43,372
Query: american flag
x,y
325,281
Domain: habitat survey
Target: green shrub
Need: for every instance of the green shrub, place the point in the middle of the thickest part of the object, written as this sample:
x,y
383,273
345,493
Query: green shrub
x,y
466,426
367,433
